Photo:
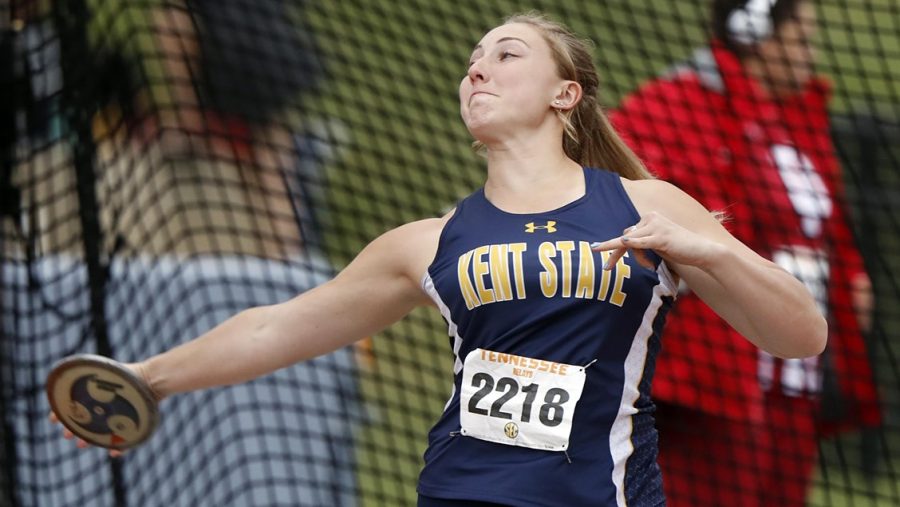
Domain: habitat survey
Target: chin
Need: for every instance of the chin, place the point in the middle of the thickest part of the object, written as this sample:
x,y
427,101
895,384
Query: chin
x,y
481,129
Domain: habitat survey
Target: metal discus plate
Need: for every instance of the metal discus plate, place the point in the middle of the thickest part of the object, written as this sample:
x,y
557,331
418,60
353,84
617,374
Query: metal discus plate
x,y
101,401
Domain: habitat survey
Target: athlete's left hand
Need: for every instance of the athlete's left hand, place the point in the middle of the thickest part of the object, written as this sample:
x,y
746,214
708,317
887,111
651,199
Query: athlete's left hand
x,y
671,241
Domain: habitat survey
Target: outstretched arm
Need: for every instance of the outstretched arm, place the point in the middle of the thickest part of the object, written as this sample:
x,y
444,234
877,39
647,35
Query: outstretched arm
x,y
378,288
759,299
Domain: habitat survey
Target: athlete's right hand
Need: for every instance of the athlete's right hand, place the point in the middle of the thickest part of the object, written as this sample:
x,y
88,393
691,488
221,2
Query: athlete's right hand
x,y
68,435
82,444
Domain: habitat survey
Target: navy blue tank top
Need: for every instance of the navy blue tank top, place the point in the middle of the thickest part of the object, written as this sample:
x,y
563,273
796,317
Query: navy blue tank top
x,y
525,300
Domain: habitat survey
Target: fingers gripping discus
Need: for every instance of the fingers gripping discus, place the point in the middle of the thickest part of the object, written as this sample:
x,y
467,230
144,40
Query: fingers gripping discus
x,y
102,402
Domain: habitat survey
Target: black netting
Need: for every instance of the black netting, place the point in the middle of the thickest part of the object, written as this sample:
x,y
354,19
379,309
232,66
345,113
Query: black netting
x,y
167,163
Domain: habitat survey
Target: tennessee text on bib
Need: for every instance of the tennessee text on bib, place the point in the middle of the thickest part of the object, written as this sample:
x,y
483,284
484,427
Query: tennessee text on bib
x,y
518,400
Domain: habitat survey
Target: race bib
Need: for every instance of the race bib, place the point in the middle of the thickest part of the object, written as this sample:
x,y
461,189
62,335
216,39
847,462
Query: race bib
x,y
517,400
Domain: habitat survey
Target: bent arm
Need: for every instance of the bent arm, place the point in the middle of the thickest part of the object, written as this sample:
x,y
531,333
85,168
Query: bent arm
x,y
378,288
759,299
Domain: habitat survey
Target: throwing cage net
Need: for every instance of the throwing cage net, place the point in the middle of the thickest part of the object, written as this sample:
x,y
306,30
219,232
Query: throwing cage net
x,y
167,163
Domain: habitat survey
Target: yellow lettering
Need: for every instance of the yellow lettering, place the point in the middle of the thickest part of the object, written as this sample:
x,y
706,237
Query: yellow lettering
x,y
563,368
503,358
585,287
479,269
604,278
544,365
465,284
623,271
566,248
517,249
499,261
492,356
548,278
532,363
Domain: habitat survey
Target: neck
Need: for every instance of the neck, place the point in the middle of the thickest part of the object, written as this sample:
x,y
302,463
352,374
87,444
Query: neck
x,y
530,176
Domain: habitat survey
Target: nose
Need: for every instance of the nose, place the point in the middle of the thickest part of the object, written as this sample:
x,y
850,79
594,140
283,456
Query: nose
x,y
476,72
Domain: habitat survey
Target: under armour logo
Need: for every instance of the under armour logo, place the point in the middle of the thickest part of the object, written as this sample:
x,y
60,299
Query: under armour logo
x,y
550,227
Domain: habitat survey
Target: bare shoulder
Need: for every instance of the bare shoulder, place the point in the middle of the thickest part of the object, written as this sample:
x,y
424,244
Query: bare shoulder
x,y
662,197
422,232
424,226
411,247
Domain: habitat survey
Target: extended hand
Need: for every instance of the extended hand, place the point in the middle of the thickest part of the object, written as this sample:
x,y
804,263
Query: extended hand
x,y
136,368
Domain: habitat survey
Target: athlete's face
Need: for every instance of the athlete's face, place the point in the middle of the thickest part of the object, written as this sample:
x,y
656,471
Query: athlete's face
x,y
788,56
511,83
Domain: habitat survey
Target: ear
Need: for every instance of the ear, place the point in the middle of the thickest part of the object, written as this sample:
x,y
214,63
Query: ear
x,y
568,96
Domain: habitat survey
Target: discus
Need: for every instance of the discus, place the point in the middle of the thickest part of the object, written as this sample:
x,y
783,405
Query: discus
x,y
102,402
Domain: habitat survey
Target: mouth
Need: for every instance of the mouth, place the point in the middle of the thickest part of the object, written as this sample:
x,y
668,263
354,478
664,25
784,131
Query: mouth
x,y
479,93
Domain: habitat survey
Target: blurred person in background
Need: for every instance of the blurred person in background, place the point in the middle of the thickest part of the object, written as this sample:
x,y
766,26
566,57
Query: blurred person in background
x,y
743,127
229,73
220,83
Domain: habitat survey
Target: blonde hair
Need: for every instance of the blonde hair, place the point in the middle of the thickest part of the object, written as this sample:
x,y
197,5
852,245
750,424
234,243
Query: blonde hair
x,y
588,138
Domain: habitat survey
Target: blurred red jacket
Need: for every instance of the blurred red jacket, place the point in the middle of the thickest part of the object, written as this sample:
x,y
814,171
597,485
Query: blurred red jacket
x,y
771,167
